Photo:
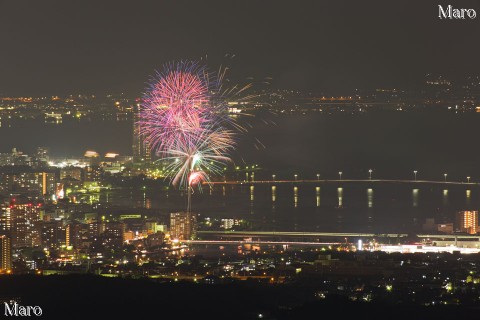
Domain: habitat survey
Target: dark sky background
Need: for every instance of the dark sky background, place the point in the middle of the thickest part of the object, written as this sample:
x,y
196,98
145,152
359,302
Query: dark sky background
x,y
58,47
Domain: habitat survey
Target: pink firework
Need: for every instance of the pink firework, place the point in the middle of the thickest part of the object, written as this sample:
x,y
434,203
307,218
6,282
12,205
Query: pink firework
x,y
176,106
196,178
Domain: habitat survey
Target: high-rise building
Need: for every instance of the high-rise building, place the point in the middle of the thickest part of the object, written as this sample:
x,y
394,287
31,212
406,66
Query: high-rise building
x,y
183,225
5,219
27,181
141,151
228,223
25,223
154,227
71,172
95,229
114,234
467,221
79,236
93,173
48,182
55,234
5,253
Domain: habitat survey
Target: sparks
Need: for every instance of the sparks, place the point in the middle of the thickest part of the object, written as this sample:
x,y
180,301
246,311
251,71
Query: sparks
x,y
185,121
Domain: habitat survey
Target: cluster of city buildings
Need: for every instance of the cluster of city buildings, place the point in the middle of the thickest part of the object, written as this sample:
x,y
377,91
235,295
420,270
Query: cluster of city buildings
x,y
54,109
437,91
465,222
38,235
44,215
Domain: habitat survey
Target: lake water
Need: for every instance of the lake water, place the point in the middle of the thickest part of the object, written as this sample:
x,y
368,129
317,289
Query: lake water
x,y
392,144
329,207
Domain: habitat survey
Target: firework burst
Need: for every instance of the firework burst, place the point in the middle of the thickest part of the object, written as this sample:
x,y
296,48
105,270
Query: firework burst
x,y
204,153
174,108
182,100
184,119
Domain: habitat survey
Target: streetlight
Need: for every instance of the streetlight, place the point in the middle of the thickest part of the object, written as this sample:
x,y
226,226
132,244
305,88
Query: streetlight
x,y
273,177
370,172
340,174
318,176
445,175
415,173
296,177
468,179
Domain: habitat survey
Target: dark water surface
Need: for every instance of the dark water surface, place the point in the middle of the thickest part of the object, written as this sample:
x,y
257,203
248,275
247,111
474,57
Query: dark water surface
x,y
393,144
332,207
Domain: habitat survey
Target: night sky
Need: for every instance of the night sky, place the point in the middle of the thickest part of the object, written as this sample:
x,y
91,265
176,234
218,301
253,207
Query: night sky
x,y
58,47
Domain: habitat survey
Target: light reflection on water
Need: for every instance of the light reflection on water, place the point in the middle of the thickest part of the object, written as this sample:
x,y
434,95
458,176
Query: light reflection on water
x,y
415,196
445,197
468,194
340,197
370,197
295,196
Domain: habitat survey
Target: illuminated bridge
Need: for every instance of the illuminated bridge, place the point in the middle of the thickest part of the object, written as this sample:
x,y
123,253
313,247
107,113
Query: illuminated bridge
x,y
334,235
337,181
264,242
276,234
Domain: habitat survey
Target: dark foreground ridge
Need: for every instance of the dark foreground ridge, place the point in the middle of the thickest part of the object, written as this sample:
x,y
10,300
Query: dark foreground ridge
x,y
88,297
